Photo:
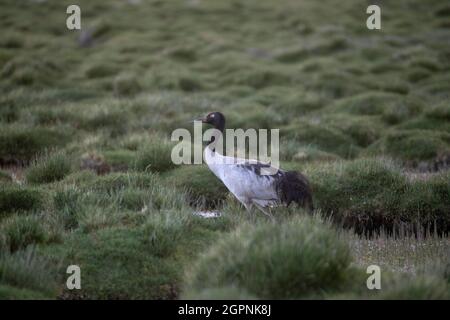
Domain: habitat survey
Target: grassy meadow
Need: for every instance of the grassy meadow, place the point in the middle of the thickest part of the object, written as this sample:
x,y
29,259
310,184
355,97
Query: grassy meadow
x,y
86,176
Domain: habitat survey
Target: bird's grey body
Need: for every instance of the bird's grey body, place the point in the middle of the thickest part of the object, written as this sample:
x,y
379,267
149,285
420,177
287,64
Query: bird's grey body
x,y
243,180
246,180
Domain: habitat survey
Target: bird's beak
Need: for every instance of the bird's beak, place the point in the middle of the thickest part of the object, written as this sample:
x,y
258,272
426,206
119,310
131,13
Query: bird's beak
x,y
199,119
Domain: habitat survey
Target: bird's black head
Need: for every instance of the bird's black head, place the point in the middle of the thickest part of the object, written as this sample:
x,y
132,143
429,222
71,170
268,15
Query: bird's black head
x,y
216,119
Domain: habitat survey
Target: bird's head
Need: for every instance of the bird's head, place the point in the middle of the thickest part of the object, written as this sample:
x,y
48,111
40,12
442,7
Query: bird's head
x,y
216,119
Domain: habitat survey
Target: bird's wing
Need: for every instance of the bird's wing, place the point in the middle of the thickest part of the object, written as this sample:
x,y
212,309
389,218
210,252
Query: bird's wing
x,y
257,167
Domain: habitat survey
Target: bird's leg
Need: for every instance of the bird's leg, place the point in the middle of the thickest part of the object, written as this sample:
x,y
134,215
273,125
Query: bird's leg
x,y
251,212
247,204
267,213
248,207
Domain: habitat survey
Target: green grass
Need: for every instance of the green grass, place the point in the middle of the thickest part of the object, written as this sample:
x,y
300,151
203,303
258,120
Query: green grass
x,y
20,231
201,184
50,168
119,257
27,275
21,145
422,288
145,262
14,198
5,176
155,156
372,194
412,145
408,253
85,153
282,261
324,138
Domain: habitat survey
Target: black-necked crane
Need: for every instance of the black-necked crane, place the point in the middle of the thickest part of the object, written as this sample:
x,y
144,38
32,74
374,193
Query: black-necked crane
x,y
244,180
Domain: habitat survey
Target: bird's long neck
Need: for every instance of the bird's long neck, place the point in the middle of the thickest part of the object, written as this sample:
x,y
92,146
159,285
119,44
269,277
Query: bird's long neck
x,y
212,143
214,161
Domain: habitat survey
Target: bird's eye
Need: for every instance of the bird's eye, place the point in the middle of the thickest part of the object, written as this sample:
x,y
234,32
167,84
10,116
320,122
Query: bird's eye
x,y
212,116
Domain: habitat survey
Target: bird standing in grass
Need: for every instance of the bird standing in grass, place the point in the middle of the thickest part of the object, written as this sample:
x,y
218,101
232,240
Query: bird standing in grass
x,y
246,182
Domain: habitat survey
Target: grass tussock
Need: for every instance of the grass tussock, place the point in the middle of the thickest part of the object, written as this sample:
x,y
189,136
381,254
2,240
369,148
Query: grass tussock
x,y
126,85
30,72
281,261
393,107
20,145
412,145
201,184
143,262
15,198
5,177
49,168
155,156
20,231
372,194
327,139
27,275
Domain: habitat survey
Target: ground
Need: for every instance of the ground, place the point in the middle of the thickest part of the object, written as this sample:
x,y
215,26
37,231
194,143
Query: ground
x,y
86,177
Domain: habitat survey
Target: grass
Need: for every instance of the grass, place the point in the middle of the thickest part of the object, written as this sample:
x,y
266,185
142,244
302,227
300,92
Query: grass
x,y
13,198
143,262
20,231
201,184
85,154
327,139
286,261
372,194
247,264
48,169
26,275
22,145
5,176
155,156
412,145
125,261
405,254
423,288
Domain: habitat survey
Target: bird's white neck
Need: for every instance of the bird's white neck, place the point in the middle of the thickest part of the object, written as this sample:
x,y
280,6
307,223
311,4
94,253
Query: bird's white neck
x,y
210,154
214,160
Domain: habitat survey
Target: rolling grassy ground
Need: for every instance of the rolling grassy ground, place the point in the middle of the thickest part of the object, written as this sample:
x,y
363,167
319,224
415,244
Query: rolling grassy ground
x,y
85,170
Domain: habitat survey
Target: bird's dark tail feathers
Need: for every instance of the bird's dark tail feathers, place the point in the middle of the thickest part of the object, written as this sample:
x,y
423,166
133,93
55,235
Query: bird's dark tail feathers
x,y
294,187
